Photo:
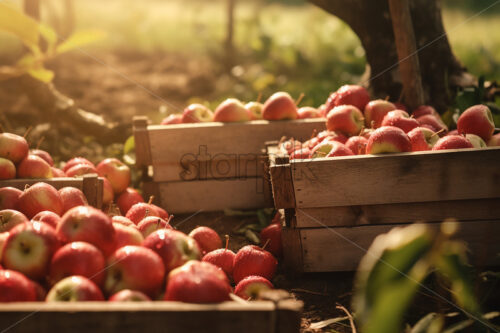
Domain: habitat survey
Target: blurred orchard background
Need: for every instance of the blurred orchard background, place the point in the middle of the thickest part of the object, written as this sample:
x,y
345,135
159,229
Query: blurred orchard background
x,y
158,56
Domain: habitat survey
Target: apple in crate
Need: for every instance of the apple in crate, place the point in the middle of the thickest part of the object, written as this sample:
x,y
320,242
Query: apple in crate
x,y
301,154
308,112
127,199
375,112
197,113
349,95
9,218
150,224
136,268
330,149
40,197
452,142
108,194
43,155
72,197
9,196
231,110
81,170
57,173
253,260
346,119
75,161
174,247
422,138
172,119
33,167
400,119
128,295
271,235
222,258
29,248
116,172
255,110
388,139
476,141
118,219
47,217
434,123
15,287
493,142
7,169
280,106
87,224
477,120
197,282
423,110
3,239
74,289
357,144
127,235
251,286
141,210
207,239
13,147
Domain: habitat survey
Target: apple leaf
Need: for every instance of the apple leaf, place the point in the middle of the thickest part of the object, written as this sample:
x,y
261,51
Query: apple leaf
x,y
50,36
41,74
79,39
129,151
20,25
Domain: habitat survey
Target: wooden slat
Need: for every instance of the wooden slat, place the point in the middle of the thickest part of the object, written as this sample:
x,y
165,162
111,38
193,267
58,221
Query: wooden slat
x,y
462,210
172,144
397,178
341,248
215,195
282,186
141,141
92,188
292,249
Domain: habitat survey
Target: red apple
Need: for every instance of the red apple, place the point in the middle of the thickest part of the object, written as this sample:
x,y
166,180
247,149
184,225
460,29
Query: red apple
x,y
346,119
222,258
271,235
75,161
127,236
162,212
28,249
127,295
197,282
289,146
15,287
434,123
40,197
279,106
476,141
207,239
136,268
423,110
9,218
72,197
251,286
107,192
422,138
42,154
308,112
477,120
349,95
123,220
388,139
127,199
174,247
255,110
116,172
400,119
57,173
301,153
141,210
3,239
47,217
172,119
454,132
375,112
357,144
74,289
87,224
231,110
13,147
331,136
252,260
80,170
330,149
33,167
452,142
78,258
197,113
9,196
494,142
150,224
7,169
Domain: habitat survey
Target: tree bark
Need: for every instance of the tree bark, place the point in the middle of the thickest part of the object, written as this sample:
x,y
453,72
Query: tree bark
x,y
441,72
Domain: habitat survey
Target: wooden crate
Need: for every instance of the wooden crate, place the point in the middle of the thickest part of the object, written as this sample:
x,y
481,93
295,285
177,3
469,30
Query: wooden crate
x,y
335,207
229,317
211,166
91,186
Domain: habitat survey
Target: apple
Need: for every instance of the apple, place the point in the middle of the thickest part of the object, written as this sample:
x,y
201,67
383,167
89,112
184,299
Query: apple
x,y
197,113
127,295
116,172
123,221
150,224
476,141
80,170
174,247
388,139
162,212
375,112
207,239
366,132
494,142
33,167
452,142
15,287
197,282
29,248
289,146
422,138
271,235
231,110
423,110
127,235
222,258
301,153
74,289
434,123
357,144
331,136
252,260
401,119
42,154
75,161
330,149
349,95
9,218
255,110
454,132
7,169
477,120
9,196
107,192
279,106
172,119
41,293
40,197
78,258
88,224
127,199
137,268
141,210
251,286
72,197
57,173
346,119
13,147
47,217
3,239
308,112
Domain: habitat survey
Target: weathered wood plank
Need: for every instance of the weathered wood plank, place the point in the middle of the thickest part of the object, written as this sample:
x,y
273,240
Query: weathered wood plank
x,y
141,141
292,249
282,186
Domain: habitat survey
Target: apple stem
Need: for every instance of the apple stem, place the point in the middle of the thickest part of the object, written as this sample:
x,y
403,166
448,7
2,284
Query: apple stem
x,y
267,242
387,98
259,97
438,132
151,198
301,96
27,132
26,186
227,242
169,219
146,214
39,143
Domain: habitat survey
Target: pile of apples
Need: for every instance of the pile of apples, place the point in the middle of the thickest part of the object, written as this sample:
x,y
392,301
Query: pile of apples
x,y
280,106
355,126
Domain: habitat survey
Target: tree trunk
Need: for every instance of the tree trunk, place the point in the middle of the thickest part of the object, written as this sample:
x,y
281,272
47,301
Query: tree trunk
x,y
371,21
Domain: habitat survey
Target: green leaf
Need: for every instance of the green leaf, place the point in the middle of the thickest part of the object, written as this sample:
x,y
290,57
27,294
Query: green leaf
x,y
467,98
50,36
20,25
41,74
79,39
129,151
